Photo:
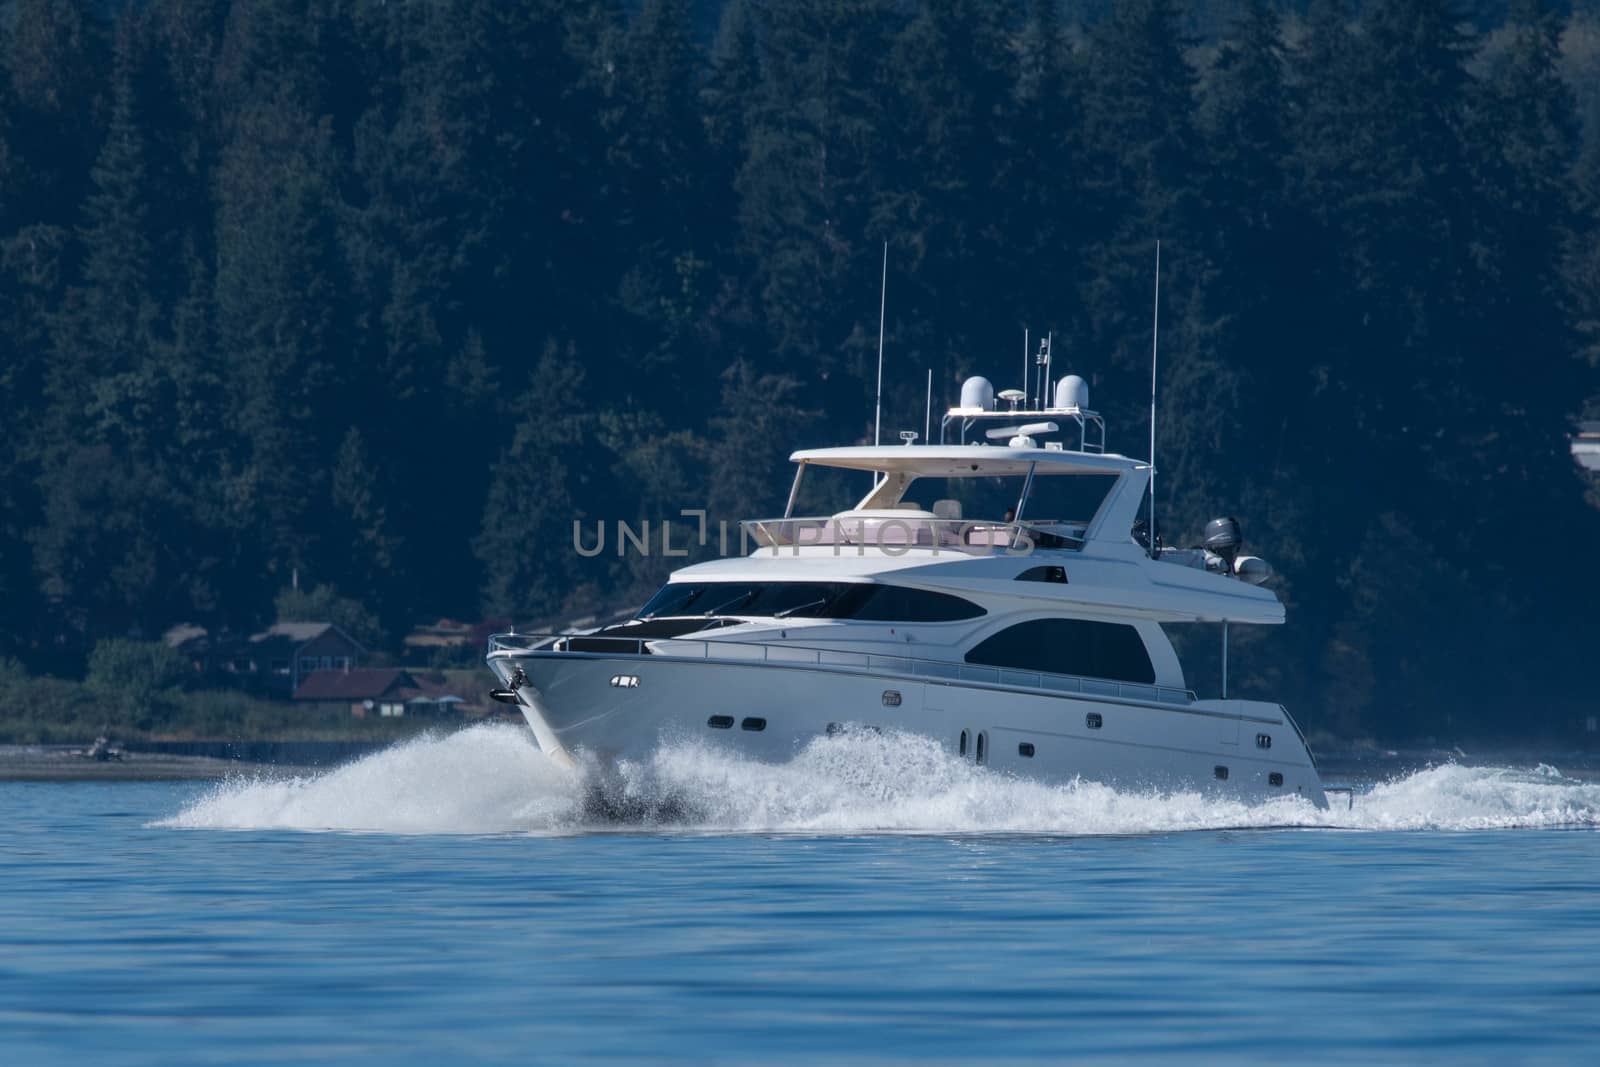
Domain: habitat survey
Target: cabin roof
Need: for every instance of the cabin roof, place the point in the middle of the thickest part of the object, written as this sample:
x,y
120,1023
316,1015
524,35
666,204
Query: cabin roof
x,y
964,461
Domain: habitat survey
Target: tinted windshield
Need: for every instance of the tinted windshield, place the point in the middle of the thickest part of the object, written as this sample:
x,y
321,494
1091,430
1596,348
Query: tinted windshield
x,y
809,600
1060,498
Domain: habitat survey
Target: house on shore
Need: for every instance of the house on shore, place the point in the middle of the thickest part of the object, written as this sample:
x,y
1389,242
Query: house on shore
x,y
274,661
290,652
384,692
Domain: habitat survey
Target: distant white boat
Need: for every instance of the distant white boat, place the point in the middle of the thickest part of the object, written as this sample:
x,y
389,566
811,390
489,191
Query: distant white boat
x,y
1017,619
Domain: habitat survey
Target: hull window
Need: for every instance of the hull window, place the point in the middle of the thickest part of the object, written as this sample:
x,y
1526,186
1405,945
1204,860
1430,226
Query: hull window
x,y
753,724
963,743
983,747
891,698
720,722
1069,646
1274,778
1093,720
1263,740
1221,772
1025,750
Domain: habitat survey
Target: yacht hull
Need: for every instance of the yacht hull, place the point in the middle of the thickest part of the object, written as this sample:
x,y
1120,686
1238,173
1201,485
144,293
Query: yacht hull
x,y
617,707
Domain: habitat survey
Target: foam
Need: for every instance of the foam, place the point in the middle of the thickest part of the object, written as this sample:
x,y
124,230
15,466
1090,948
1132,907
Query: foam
x,y
492,779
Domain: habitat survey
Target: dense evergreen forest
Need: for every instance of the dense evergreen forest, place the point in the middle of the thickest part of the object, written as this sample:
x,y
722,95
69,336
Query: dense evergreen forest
x,y
386,295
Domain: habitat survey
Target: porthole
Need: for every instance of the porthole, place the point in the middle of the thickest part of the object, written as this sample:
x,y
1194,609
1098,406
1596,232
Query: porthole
x,y
963,742
720,722
983,745
1025,750
891,698
1274,778
1221,772
1263,740
1093,720
753,724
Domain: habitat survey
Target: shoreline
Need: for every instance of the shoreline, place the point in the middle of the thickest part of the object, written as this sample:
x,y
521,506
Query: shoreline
x,y
158,761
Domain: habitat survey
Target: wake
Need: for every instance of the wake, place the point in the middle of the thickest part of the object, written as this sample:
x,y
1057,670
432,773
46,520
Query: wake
x,y
493,779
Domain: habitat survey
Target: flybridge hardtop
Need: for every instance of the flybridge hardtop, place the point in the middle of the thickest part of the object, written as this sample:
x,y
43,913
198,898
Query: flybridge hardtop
x,y
958,461
1113,565
998,590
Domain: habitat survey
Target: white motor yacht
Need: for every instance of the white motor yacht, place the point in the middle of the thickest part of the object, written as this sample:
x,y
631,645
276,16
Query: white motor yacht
x,y
1017,619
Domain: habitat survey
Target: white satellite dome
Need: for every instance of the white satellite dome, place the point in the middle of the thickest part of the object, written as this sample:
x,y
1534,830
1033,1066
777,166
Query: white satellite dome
x,y
1072,392
977,392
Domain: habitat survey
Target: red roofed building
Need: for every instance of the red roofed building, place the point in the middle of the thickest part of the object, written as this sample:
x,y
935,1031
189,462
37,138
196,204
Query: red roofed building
x,y
389,692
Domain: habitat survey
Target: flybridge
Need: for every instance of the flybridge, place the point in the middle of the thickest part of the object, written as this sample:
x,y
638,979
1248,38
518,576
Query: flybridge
x,y
1025,419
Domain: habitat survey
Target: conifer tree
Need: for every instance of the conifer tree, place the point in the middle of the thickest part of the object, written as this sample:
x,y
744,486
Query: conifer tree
x,y
950,94
526,546
811,182
1142,160
730,92
1036,187
56,54
112,319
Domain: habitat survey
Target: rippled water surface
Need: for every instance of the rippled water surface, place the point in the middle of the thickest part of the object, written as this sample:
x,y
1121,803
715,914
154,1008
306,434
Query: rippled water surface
x,y
461,900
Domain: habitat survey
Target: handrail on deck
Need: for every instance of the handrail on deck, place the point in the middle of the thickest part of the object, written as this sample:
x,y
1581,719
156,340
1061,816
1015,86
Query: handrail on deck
x,y
802,655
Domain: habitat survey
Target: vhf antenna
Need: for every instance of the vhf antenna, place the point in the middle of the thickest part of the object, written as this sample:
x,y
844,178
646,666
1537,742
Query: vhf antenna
x,y
1155,336
883,296
1027,354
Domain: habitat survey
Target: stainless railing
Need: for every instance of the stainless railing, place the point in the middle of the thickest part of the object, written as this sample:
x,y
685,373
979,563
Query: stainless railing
x,y
838,659
891,533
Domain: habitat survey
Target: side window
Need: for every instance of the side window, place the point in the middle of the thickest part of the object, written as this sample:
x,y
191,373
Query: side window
x,y
894,603
808,600
1069,646
1056,575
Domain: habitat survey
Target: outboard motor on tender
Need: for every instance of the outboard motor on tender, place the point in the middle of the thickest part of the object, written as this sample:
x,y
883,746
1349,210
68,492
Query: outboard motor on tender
x,y
1223,538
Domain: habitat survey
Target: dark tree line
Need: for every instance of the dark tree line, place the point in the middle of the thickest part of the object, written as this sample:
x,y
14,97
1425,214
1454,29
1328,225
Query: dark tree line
x,y
388,294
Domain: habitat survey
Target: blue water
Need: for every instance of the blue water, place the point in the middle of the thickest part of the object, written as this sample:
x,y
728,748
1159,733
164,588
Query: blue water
x,y
459,900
